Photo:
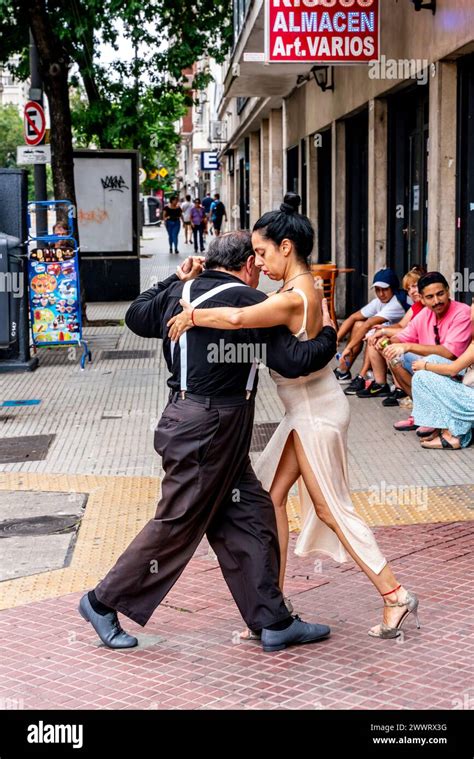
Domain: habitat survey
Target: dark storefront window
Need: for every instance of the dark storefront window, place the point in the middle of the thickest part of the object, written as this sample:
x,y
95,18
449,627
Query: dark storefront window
x,y
241,103
292,169
408,120
304,178
357,185
465,184
323,152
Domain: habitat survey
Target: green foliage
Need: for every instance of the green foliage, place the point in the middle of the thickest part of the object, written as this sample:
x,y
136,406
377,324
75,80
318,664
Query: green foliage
x,y
11,135
148,126
127,103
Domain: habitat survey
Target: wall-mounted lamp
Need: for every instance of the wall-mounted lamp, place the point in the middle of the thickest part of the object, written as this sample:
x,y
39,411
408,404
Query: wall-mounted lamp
x,y
420,5
323,76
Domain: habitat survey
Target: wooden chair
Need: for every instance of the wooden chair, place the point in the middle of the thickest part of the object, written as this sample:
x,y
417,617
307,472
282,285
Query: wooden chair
x,y
327,274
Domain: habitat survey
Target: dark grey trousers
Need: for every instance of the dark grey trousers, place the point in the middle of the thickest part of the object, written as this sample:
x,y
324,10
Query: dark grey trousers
x,y
209,489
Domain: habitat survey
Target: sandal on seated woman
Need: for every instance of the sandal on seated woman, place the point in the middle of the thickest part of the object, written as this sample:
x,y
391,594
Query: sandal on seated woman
x,y
443,440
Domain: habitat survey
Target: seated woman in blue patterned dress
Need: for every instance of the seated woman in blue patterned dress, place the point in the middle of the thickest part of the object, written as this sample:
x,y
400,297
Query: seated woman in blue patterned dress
x,y
441,403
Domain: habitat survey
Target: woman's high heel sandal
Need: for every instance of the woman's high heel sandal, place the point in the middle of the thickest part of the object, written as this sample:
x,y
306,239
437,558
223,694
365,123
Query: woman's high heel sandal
x,y
411,602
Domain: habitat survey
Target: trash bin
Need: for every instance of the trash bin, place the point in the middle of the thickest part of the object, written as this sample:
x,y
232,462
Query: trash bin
x,y
11,289
152,211
14,325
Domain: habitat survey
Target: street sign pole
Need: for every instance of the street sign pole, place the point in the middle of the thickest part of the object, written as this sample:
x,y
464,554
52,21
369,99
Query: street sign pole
x,y
36,94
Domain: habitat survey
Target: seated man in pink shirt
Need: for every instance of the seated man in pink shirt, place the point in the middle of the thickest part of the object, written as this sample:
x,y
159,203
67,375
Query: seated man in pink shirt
x,y
442,328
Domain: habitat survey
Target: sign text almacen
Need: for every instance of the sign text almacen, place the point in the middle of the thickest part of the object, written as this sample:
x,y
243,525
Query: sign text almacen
x,y
322,31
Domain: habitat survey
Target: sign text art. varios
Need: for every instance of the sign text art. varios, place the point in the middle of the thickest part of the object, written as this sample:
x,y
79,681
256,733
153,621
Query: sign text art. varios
x,y
322,31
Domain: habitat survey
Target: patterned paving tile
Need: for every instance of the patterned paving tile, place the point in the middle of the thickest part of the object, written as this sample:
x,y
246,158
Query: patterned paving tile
x,y
196,662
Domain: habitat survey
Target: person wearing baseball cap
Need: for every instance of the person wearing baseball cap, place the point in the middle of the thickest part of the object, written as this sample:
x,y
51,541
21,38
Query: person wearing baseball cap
x,y
388,307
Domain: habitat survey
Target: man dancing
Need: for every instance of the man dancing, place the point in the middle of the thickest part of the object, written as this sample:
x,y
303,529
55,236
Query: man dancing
x,y
204,437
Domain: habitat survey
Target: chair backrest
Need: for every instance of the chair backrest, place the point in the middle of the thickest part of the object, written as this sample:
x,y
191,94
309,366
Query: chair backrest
x,y
327,274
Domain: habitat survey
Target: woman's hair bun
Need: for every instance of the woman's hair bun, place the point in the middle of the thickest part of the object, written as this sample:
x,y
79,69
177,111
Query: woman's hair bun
x,y
291,203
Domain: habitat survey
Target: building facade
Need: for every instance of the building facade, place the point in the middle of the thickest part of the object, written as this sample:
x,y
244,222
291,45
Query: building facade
x,y
383,158
201,136
13,92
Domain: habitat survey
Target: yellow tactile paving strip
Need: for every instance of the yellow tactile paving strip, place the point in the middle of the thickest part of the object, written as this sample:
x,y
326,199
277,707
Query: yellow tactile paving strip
x,y
388,507
118,507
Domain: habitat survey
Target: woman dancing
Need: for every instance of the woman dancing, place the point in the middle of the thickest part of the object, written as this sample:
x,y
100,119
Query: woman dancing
x,y
311,440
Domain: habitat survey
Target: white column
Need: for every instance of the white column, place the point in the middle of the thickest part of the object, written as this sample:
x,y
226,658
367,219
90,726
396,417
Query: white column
x,y
275,180
254,177
377,189
442,170
265,166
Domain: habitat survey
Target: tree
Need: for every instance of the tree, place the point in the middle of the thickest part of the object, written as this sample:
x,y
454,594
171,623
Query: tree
x,y
152,129
11,135
168,36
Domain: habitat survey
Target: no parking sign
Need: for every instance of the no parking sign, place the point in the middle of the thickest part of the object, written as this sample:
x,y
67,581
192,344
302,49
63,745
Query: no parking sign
x,y
34,123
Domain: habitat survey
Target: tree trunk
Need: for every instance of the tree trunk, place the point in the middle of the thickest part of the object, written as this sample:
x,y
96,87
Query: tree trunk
x,y
54,66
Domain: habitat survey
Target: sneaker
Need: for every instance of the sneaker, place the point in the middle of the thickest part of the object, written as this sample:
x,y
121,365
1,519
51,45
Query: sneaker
x,y
395,396
342,376
358,383
177,252
374,391
406,425
171,251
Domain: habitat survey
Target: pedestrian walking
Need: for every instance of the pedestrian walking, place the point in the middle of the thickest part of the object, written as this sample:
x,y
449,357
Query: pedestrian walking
x,y
172,215
198,219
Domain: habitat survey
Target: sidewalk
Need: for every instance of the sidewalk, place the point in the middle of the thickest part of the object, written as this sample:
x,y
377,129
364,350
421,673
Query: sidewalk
x,y
101,425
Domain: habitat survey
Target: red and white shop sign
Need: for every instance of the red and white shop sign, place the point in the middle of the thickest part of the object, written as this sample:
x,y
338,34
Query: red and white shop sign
x,y
322,31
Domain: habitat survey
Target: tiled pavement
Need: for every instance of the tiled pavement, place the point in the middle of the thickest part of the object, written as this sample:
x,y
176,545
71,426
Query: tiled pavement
x,y
74,405
189,655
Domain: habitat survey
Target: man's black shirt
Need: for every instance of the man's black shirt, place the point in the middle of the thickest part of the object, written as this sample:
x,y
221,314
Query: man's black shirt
x,y
148,314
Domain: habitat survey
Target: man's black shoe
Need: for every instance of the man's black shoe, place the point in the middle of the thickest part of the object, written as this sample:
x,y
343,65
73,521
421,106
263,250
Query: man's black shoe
x,y
297,633
106,626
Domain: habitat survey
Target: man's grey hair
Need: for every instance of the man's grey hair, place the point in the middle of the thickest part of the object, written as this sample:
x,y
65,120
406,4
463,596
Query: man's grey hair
x,y
230,251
